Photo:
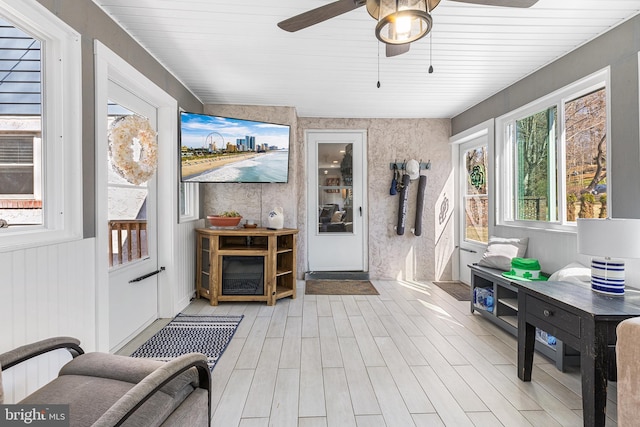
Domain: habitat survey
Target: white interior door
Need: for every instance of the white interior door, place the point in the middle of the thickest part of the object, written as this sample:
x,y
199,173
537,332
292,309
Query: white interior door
x,y
132,222
336,205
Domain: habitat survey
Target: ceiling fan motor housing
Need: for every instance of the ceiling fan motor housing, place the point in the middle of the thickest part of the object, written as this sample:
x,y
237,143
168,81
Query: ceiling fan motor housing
x,y
373,6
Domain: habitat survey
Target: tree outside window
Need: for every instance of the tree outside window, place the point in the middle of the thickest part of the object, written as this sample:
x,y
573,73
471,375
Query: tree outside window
x,y
586,153
535,143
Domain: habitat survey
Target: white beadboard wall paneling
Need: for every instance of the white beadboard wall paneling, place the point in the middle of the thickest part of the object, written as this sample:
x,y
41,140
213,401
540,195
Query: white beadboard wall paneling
x,y
554,249
46,291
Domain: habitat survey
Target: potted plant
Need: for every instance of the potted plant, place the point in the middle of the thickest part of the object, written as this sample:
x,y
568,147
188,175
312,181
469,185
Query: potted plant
x,y
225,219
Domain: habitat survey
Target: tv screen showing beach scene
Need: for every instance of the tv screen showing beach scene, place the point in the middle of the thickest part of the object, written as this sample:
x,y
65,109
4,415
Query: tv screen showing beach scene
x,y
224,149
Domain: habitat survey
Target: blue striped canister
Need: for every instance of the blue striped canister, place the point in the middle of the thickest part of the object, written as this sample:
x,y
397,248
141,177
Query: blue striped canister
x,y
607,276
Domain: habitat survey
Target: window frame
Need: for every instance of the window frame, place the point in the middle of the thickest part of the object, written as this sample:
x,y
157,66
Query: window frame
x,y
191,192
506,174
61,128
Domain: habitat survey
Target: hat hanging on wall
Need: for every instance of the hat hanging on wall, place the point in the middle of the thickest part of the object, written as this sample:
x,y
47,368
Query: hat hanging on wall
x,y
413,169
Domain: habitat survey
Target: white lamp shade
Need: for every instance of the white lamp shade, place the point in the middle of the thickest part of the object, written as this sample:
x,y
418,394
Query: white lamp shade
x,y
613,238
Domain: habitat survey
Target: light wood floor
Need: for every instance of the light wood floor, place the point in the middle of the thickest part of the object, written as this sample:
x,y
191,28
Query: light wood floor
x,y
411,356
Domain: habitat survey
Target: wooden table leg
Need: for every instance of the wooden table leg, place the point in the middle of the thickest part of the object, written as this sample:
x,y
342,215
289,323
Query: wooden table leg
x,y
526,341
526,345
593,368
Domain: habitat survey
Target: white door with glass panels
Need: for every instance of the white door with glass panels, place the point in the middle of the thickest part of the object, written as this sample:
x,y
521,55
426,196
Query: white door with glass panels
x,y
133,295
474,203
337,236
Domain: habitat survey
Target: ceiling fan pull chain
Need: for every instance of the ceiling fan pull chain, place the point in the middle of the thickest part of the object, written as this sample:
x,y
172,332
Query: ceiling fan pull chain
x,y
430,52
378,84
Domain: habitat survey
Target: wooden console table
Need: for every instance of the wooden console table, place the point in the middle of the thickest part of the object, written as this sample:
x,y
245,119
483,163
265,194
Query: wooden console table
x,y
277,247
585,320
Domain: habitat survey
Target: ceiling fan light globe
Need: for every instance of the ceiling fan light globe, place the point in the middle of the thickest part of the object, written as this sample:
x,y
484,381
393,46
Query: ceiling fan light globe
x,y
403,26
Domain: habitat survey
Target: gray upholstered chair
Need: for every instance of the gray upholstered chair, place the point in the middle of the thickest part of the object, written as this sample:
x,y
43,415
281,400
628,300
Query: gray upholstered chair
x,y
109,390
628,365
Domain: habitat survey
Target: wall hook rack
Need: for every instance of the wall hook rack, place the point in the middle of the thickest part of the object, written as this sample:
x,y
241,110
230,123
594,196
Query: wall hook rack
x,y
403,165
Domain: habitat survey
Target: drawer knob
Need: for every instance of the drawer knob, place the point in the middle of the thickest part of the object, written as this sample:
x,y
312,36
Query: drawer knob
x,y
547,313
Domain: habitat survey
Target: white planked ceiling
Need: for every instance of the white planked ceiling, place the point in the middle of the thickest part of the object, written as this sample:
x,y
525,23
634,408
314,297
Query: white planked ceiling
x,y
232,52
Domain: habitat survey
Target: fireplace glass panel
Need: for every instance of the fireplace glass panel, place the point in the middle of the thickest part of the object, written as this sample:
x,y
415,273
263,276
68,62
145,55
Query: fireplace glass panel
x,y
242,275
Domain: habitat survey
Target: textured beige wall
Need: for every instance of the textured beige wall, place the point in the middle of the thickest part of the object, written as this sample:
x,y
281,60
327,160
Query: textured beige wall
x,y
427,257
254,201
392,256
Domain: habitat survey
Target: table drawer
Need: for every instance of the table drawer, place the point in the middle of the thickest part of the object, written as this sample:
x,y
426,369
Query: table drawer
x,y
555,316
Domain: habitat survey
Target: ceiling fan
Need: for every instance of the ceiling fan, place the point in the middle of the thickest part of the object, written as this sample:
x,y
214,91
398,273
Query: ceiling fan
x,y
400,22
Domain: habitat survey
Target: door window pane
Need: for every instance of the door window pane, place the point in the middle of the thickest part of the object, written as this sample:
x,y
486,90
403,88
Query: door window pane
x,y
127,210
335,195
476,200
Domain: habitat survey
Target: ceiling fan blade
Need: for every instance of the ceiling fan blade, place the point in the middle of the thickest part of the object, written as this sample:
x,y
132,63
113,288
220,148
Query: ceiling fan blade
x,y
320,14
503,3
397,49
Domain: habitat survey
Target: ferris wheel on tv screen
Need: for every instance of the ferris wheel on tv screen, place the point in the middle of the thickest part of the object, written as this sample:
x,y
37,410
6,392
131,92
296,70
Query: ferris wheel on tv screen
x,y
214,141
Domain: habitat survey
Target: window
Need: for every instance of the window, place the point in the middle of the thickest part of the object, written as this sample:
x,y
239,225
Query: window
x,y
40,142
20,126
586,155
188,196
554,157
188,202
535,145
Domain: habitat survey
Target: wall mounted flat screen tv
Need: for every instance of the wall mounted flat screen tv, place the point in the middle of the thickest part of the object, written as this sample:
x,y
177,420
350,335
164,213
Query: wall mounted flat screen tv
x,y
223,149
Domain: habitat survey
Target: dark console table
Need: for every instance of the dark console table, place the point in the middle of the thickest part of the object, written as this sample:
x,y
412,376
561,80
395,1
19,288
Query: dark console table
x,y
505,313
583,319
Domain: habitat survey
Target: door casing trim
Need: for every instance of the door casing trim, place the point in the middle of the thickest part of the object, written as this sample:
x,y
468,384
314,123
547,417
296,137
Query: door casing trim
x,y
486,128
109,66
310,219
